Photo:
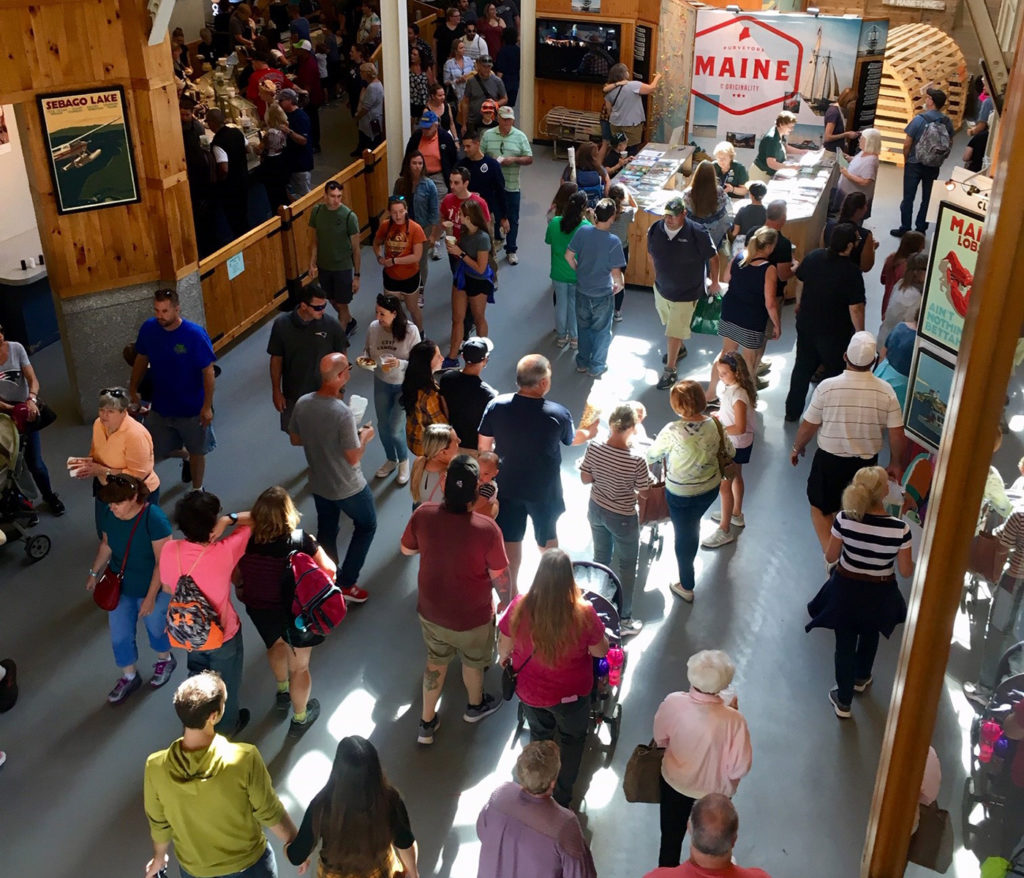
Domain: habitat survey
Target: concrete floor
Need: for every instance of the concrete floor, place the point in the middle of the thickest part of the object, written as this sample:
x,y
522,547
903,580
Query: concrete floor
x,y
71,792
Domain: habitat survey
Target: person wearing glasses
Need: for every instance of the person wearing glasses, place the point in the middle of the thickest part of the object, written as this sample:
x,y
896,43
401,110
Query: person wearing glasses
x,y
120,445
133,531
398,246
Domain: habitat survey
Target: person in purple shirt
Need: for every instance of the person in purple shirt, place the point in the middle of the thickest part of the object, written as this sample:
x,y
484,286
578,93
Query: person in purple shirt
x,y
523,831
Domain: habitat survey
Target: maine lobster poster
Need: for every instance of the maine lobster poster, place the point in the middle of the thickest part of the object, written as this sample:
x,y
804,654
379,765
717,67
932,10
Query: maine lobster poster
x,y
947,291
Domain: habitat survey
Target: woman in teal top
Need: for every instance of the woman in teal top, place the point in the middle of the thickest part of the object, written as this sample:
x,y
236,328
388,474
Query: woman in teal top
x,y
773,151
563,275
132,534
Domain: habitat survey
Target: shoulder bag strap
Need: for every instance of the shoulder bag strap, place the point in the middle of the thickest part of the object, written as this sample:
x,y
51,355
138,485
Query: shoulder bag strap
x,y
618,94
128,548
525,663
721,435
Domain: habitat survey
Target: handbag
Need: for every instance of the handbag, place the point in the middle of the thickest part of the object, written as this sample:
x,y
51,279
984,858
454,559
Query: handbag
x,y
988,556
20,415
706,315
509,676
107,591
726,465
653,504
932,845
642,780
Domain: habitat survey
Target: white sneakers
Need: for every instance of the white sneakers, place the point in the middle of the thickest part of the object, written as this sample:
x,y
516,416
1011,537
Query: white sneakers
x,y
389,466
403,472
735,521
718,538
386,469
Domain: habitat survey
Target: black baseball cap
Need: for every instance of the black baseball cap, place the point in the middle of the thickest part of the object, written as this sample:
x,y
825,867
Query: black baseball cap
x,y
476,349
460,482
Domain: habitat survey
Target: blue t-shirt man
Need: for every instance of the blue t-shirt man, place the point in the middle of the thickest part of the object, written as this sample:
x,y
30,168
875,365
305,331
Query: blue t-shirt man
x,y
299,156
177,358
598,252
915,128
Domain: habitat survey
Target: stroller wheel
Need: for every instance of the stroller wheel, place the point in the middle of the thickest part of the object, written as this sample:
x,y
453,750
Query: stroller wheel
x,y
613,725
37,547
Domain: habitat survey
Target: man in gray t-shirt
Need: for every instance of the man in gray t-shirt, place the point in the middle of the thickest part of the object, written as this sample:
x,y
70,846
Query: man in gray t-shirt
x,y
326,429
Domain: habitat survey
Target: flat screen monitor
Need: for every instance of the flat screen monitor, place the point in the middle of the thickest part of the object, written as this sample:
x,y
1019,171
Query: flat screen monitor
x,y
576,51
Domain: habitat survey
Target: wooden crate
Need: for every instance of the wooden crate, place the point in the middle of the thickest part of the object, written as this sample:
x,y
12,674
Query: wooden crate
x,y
918,56
569,126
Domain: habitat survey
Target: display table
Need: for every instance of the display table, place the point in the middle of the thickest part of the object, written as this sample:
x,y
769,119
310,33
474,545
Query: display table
x,y
654,176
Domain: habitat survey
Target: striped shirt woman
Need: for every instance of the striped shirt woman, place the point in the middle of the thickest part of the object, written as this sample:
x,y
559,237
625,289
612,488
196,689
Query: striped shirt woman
x,y
870,546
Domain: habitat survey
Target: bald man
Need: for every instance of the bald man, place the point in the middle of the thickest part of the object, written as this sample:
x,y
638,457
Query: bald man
x,y
714,827
326,429
528,431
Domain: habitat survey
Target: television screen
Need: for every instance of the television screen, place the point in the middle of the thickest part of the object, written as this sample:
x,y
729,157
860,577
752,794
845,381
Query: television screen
x,y
568,50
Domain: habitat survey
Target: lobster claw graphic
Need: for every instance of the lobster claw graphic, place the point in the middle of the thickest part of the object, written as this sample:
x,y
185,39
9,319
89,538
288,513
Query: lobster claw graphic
x,y
957,282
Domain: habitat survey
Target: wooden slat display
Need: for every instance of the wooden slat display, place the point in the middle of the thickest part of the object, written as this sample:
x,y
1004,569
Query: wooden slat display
x,y
235,304
378,182
917,56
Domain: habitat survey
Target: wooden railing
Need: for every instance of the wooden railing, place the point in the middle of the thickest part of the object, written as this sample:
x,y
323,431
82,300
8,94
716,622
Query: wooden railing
x,y
249,278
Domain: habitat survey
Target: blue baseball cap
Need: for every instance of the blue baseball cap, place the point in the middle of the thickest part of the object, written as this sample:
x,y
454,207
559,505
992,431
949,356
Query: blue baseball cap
x,y
428,118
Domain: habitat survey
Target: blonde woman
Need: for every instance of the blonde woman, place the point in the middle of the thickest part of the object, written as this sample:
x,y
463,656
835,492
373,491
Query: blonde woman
x,y
861,599
732,176
440,445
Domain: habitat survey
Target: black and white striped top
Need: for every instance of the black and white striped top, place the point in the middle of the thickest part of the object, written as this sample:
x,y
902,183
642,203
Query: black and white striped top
x,y
618,474
871,546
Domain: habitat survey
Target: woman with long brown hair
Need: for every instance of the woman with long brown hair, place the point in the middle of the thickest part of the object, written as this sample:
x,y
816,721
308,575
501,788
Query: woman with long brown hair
x,y
550,637
706,202
474,277
358,819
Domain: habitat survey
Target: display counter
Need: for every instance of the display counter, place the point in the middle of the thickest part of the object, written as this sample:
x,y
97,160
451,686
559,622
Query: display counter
x,y
654,176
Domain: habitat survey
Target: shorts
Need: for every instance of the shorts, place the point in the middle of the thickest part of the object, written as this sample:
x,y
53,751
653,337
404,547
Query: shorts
x,y
337,284
270,624
171,434
743,454
477,286
674,316
830,475
405,286
474,647
543,513
634,133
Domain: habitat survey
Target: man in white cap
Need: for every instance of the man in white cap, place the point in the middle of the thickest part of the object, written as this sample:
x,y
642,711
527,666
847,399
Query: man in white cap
x,y
850,414
510,147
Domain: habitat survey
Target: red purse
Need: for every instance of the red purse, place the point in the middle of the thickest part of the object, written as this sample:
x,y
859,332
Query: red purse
x,y
107,593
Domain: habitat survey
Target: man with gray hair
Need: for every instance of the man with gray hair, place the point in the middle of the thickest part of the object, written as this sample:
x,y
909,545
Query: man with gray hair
x,y
714,827
524,831
528,431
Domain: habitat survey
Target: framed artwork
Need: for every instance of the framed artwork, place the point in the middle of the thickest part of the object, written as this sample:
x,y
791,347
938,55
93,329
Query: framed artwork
x,y
931,380
90,149
947,289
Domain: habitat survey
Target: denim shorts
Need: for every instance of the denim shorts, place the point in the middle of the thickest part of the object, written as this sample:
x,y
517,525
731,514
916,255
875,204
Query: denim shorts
x,y
171,434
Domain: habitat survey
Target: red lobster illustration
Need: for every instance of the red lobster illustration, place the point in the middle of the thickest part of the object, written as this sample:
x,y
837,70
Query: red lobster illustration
x,y
957,281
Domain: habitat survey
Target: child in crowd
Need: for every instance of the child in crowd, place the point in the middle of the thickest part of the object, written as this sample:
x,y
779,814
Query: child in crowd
x,y
896,264
738,396
320,53
486,487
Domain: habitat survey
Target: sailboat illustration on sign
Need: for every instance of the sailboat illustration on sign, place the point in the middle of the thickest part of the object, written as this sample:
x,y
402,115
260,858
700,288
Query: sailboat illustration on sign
x,y
819,85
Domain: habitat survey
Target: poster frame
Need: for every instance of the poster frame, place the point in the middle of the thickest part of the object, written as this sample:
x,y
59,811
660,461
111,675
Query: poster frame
x,y
943,357
63,208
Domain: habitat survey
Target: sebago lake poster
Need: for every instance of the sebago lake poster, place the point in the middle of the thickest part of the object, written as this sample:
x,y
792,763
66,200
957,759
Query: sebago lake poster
x,y
90,149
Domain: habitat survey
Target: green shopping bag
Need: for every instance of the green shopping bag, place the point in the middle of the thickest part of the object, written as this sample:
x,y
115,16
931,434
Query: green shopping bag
x,y
706,315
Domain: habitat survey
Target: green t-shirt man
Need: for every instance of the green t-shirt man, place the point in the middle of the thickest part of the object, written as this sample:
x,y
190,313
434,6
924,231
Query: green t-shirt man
x,y
334,231
515,143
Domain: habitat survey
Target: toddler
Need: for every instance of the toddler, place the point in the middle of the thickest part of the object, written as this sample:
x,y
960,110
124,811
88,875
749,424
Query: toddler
x,y
486,488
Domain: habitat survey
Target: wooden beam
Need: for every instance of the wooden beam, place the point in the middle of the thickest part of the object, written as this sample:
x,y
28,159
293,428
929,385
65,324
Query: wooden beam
x,y
979,388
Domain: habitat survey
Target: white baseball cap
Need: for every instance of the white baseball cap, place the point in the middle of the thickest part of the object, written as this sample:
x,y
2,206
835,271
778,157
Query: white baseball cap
x,y
862,350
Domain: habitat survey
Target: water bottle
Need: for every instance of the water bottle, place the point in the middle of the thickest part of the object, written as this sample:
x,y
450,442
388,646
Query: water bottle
x,y
616,658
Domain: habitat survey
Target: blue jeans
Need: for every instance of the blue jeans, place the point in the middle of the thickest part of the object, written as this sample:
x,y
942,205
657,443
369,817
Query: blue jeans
x,y
914,173
686,513
390,418
567,726
359,507
35,464
594,320
124,619
264,867
227,660
512,200
565,309
616,545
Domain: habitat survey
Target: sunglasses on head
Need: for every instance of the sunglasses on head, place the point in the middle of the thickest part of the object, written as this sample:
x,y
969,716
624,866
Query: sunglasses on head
x,y
396,199
116,392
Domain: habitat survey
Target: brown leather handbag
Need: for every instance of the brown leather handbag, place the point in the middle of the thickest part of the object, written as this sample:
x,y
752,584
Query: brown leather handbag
x,y
988,556
642,780
652,504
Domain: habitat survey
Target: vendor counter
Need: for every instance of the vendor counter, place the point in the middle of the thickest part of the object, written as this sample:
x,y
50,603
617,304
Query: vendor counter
x,y
657,174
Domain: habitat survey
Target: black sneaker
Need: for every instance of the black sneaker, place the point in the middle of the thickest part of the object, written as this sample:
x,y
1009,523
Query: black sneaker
x,y
123,688
243,721
842,710
350,327
862,685
57,508
668,378
186,470
476,712
425,731
898,233
682,353
297,729
283,702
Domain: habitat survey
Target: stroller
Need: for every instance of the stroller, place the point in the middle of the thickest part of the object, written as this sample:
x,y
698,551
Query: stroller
x,y
601,588
16,513
989,792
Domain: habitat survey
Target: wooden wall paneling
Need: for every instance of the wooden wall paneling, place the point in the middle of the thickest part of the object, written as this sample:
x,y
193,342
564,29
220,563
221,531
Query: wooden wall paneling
x,y
378,183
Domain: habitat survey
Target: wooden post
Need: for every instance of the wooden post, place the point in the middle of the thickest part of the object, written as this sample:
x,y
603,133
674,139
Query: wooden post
x,y
990,336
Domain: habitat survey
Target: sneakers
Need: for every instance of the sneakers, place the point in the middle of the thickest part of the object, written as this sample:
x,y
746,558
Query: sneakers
x,y
403,472
685,593
450,363
617,317
350,327
763,368
243,720
898,233
735,521
574,344
761,384
862,685
581,369
123,688
282,701
162,671
186,470
629,627
355,595
718,538
386,469
9,685
297,729
977,694
842,710
668,378
425,731
561,341
511,258
57,508
682,353
476,712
